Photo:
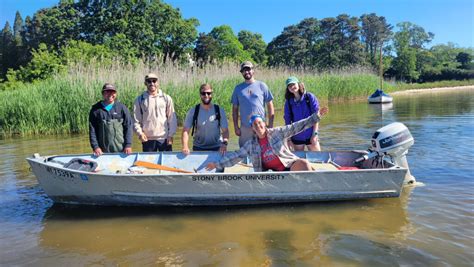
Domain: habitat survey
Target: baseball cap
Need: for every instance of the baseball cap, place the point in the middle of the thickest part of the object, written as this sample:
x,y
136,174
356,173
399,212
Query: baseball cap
x,y
109,87
291,79
151,76
246,64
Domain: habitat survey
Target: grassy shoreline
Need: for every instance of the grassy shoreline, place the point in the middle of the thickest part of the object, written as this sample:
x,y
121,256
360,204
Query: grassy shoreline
x,y
61,104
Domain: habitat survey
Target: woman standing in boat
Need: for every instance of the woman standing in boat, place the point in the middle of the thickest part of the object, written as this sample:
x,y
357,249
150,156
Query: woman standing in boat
x,y
299,105
268,148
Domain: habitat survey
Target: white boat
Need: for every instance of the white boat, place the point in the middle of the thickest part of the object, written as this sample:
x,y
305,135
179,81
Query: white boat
x,y
170,178
379,96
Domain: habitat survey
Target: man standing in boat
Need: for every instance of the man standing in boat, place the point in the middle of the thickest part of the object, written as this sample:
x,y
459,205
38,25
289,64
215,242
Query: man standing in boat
x,y
268,148
110,124
250,97
154,116
208,123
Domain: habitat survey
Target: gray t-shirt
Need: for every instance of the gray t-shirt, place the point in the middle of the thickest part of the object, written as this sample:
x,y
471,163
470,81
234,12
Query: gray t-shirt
x,y
251,99
207,134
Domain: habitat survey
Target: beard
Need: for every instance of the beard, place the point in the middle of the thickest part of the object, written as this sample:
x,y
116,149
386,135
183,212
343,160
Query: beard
x,y
206,101
247,76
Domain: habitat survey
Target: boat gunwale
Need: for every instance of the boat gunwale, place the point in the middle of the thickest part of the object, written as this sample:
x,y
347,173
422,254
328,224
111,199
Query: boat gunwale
x,y
42,161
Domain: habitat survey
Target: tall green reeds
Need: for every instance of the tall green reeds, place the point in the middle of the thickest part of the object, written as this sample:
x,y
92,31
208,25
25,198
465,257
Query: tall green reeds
x,y
62,104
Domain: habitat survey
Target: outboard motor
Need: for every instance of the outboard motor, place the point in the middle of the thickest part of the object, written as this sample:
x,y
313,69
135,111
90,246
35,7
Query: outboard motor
x,y
393,140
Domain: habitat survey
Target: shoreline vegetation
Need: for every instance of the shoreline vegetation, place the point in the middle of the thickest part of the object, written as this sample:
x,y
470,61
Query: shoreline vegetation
x,y
61,104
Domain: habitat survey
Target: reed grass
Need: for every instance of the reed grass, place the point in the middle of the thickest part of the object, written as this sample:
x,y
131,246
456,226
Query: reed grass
x,y
61,104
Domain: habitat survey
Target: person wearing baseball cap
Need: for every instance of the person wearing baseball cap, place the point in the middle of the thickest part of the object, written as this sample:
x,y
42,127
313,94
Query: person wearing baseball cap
x,y
154,116
299,105
250,97
268,149
110,124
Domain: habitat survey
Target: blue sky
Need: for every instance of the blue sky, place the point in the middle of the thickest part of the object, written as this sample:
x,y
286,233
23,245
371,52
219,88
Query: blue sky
x,y
449,20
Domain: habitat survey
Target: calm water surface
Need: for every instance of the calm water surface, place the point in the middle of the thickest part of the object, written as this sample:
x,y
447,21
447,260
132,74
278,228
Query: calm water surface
x,y
429,225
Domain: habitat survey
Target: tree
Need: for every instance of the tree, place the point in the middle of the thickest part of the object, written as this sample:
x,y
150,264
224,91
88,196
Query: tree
x,y
156,29
7,45
347,35
464,59
53,26
405,62
206,49
222,44
44,64
17,28
375,32
254,44
295,46
409,44
328,46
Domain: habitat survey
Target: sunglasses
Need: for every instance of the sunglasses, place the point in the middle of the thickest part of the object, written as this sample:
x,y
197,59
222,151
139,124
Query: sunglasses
x,y
206,93
151,81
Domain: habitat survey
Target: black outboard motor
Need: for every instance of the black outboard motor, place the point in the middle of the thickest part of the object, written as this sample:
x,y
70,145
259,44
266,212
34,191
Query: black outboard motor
x,y
392,140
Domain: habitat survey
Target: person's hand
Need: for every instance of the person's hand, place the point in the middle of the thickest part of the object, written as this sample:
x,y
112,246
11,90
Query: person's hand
x,y
98,152
323,111
237,131
185,151
223,149
211,166
127,150
143,138
170,141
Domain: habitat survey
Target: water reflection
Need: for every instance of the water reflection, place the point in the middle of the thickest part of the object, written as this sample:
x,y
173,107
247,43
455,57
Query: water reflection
x,y
283,235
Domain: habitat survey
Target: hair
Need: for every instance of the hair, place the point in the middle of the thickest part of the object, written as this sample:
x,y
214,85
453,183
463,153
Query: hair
x,y
289,94
204,86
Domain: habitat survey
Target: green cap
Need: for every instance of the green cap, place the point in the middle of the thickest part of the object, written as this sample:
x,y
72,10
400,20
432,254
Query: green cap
x,y
291,79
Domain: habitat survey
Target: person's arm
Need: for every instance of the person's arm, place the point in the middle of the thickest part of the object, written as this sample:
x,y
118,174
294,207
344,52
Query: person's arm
x,y
128,130
172,121
231,158
225,141
299,126
137,120
224,131
286,112
315,107
92,135
235,119
268,98
271,113
185,140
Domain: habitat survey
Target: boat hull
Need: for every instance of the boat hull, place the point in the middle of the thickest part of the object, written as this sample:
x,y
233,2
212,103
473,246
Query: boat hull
x,y
380,99
68,186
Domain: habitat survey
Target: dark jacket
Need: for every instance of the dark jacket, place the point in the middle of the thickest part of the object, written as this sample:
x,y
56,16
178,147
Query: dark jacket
x,y
112,130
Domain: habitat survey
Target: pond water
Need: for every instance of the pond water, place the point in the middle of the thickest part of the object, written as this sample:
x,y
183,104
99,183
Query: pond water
x,y
429,225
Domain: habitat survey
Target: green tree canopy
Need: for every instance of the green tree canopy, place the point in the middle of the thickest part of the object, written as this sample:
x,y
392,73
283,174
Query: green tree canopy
x,y
375,31
220,44
254,44
295,46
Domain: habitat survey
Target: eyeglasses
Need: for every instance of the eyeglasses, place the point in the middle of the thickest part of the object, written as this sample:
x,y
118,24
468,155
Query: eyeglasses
x,y
206,93
151,81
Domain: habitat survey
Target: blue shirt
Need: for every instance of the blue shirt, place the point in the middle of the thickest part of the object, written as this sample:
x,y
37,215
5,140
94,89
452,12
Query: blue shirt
x,y
301,111
251,99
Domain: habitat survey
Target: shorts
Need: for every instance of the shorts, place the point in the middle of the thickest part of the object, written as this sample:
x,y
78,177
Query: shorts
x,y
196,148
301,142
